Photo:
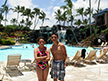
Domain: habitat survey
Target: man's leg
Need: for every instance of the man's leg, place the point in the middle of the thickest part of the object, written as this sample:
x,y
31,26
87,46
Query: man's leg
x,y
55,79
62,80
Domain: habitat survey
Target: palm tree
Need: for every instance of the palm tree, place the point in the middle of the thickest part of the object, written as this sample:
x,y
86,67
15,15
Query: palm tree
x,y
29,23
4,3
6,10
36,12
64,18
17,9
68,8
27,13
43,17
22,22
22,10
90,20
85,21
1,17
80,11
58,16
78,22
31,16
98,5
13,21
70,19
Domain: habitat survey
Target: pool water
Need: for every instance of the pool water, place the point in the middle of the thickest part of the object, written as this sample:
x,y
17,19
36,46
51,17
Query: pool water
x,y
29,51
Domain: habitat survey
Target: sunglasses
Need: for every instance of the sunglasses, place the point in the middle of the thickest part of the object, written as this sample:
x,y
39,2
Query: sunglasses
x,y
53,37
41,42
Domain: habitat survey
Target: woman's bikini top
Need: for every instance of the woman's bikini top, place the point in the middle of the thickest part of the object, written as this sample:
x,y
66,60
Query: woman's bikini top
x,y
41,64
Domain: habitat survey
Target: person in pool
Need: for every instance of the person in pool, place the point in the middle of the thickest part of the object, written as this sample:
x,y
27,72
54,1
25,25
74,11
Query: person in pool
x,y
42,56
59,54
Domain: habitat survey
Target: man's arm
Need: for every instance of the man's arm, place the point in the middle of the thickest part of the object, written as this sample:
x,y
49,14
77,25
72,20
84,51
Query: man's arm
x,y
64,52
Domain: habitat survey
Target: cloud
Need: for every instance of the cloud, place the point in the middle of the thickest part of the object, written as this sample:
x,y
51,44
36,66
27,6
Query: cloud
x,y
13,3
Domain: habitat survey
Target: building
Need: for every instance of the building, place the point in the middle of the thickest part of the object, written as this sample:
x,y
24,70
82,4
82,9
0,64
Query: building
x,y
101,18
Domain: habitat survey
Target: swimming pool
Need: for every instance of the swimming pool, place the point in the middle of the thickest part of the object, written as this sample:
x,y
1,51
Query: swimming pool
x,y
29,51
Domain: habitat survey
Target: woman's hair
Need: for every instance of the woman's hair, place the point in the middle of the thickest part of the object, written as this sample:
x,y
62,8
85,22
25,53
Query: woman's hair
x,y
54,33
40,38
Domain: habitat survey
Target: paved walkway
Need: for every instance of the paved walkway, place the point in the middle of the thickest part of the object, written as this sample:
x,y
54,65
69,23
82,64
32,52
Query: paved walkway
x,y
98,72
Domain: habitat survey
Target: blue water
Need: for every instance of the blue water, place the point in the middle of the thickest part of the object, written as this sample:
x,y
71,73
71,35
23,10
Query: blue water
x,y
29,51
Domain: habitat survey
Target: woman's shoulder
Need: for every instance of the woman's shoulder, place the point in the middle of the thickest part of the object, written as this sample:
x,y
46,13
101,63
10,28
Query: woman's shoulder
x,y
36,48
47,48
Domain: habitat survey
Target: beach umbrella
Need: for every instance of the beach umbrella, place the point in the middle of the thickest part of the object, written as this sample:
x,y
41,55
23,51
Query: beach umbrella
x,y
90,48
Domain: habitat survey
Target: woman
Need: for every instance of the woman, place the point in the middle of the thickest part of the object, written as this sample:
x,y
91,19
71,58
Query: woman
x,y
42,56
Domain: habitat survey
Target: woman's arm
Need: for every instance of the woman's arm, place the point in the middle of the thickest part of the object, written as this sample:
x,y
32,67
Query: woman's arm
x,y
48,56
63,48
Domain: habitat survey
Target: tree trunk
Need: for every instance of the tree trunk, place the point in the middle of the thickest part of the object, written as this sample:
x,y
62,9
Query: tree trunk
x,y
90,21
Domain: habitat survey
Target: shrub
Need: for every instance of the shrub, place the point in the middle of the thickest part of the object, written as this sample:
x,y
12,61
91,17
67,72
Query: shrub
x,y
1,25
7,42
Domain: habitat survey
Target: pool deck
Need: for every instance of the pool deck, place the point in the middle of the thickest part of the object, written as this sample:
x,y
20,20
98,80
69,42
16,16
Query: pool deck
x,y
98,72
6,46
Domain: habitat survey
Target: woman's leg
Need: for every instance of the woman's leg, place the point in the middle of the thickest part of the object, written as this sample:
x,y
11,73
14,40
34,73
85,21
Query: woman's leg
x,y
46,70
39,73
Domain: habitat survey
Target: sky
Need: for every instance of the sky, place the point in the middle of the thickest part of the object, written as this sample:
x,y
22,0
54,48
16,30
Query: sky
x,y
49,7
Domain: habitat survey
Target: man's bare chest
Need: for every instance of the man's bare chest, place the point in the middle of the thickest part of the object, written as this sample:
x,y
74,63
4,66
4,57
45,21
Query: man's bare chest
x,y
56,48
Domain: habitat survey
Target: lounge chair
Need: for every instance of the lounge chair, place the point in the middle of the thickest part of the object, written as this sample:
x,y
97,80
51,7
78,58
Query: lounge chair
x,y
102,44
13,60
77,58
102,55
1,77
105,44
1,71
90,57
12,67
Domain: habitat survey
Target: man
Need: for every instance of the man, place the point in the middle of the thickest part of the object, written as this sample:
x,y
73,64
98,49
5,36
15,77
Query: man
x,y
59,54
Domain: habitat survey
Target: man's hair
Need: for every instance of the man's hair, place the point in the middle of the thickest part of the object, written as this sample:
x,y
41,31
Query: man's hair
x,y
40,38
54,33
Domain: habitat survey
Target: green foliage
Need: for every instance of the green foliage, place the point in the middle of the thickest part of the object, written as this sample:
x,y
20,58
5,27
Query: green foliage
x,y
1,25
6,42
104,31
95,29
0,41
9,28
23,41
25,29
83,30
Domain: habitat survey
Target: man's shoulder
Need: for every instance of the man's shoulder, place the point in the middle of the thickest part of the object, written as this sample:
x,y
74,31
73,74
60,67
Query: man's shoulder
x,y
51,47
61,44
